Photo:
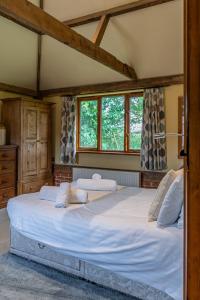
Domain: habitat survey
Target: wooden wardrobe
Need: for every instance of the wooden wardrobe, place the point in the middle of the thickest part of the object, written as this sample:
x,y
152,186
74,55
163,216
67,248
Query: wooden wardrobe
x,y
28,126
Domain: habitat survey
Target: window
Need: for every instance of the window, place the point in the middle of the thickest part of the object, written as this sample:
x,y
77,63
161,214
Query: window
x,y
110,124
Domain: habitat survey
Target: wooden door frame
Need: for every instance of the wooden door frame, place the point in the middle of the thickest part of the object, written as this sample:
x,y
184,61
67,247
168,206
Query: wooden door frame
x,y
192,146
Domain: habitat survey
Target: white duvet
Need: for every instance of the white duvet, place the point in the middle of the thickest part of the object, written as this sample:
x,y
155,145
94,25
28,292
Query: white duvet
x,y
111,232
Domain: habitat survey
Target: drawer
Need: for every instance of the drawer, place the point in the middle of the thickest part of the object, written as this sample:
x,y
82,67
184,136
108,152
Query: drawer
x,y
7,180
44,251
8,154
7,167
5,195
33,187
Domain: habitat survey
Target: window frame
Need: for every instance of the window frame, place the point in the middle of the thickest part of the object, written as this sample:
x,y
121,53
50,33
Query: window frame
x,y
98,150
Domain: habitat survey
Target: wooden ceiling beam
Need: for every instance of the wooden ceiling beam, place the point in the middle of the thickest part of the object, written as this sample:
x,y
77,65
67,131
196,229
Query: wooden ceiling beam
x,y
101,28
115,86
17,90
113,12
29,15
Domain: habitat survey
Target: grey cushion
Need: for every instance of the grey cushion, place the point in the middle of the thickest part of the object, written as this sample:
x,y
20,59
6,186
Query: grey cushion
x,y
160,195
180,220
172,204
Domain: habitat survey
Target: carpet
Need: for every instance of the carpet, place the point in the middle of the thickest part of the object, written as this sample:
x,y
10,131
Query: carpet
x,y
21,279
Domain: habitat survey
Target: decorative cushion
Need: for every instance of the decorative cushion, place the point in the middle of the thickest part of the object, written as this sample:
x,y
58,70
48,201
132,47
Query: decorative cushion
x,y
160,195
180,220
172,204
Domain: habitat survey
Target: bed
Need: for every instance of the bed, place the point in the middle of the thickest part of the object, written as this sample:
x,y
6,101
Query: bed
x,y
108,241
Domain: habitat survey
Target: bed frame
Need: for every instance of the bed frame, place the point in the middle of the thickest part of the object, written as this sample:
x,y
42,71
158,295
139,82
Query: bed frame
x,y
52,257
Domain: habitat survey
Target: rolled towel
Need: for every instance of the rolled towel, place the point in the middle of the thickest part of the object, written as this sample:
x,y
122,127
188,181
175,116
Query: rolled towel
x,y
48,193
65,186
62,198
97,185
96,176
78,196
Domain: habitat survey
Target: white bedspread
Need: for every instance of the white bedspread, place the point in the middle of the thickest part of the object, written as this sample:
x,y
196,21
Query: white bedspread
x,y
111,232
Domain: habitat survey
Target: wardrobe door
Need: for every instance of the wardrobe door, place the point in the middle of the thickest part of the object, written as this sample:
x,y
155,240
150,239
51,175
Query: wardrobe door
x,y
29,154
44,158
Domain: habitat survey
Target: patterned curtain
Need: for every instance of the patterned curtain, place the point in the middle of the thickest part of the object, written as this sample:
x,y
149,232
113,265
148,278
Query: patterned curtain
x,y
68,130
153,151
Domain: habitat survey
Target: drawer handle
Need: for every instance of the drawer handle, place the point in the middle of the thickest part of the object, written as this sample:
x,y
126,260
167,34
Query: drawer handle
x,y
41,246
4,156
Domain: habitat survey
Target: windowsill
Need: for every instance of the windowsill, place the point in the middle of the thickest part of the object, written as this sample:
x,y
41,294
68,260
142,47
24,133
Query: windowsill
x,y
136,153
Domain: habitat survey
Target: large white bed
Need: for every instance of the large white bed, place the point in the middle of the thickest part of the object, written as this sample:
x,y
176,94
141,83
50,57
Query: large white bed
x,y
111,232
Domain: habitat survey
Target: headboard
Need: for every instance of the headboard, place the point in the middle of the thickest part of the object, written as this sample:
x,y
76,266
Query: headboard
x,y
127,178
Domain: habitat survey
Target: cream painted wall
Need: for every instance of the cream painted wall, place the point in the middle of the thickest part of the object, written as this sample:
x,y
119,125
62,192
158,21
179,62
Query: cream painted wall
x,y
124,162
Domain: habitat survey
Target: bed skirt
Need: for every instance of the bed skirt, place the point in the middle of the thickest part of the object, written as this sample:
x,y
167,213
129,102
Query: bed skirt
x,y
50,256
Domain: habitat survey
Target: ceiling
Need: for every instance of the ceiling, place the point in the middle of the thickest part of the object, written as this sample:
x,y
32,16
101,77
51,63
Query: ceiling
x,y
150,40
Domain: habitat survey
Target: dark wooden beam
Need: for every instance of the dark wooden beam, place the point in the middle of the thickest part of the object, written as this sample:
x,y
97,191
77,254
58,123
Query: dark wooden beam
x,y
192,166
39,53
27,14
115,86
115,11
17,90
101,28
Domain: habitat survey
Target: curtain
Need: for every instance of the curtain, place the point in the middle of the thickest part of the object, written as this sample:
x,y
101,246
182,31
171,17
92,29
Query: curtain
x,y
68,130
153,151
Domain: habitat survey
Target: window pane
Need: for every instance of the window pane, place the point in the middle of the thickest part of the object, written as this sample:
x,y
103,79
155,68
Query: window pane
x,y
113,123
88,124
136,115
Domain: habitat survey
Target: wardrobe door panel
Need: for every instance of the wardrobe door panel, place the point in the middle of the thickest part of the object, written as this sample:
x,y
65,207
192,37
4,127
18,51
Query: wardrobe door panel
x,y
43,126
30,123
30,158
43,157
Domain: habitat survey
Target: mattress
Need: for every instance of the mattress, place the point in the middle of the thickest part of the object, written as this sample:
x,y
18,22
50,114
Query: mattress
x,y
111,231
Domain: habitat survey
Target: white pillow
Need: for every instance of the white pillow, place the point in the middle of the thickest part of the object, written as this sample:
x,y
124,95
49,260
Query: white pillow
x,y
172,203
160,195
180,220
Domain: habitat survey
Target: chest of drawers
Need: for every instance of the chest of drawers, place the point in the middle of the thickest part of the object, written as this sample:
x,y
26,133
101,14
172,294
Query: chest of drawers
x,y
8,156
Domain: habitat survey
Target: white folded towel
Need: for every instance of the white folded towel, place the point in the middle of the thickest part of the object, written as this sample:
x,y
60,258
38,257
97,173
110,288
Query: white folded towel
x,y
63,195
96,176
78,196
65,186
62,199
97,185
48,193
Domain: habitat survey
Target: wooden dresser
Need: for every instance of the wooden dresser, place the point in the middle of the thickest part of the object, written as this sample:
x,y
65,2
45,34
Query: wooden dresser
x,y
8,179
28,125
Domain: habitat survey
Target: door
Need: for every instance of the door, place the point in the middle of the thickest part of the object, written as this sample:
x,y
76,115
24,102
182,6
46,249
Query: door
x,y
44,158
29,154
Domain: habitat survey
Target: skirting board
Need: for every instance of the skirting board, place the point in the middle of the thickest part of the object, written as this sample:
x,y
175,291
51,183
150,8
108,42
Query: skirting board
x,y
49,256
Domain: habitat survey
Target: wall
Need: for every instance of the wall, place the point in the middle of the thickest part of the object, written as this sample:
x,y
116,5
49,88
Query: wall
x,y
125,162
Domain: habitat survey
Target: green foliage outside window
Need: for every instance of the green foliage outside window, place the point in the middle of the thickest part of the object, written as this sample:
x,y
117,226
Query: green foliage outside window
x,y
88,124
112,123
136,115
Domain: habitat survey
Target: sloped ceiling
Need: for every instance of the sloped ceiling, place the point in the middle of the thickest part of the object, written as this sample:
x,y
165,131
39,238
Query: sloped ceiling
x,y
150,40
18,59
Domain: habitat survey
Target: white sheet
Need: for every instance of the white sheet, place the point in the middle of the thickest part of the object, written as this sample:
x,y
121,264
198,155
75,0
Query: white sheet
x,y
111,232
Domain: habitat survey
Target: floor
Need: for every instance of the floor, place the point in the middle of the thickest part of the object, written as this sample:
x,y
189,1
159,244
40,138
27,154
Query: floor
x,y
4,232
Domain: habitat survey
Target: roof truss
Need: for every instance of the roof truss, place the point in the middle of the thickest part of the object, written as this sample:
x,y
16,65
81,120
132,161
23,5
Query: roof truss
x,y
115,11
28,15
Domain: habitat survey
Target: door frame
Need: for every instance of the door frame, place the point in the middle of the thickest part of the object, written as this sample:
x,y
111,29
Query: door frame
x,y
192,148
